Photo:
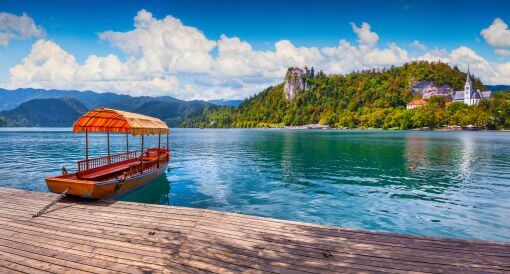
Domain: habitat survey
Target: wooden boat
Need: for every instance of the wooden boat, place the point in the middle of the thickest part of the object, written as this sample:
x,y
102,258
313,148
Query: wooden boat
x,y
114,175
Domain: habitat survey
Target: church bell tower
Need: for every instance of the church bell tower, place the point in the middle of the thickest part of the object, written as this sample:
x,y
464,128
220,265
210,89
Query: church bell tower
x,y
468,90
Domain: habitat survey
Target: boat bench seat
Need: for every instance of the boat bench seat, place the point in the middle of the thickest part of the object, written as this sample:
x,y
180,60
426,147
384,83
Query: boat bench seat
x,y
111,170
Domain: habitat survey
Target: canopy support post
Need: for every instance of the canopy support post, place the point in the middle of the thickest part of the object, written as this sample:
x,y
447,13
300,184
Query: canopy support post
x,y
159,146
127,146
108,145
87,148
141,156
167,148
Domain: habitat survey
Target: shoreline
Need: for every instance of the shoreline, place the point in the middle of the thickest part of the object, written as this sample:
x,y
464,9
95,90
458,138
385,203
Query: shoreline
x,y
324,128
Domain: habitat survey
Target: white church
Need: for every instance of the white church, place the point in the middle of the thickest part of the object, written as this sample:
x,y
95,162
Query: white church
x,y
469,95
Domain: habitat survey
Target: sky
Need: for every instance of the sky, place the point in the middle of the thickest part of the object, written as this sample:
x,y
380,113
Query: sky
x,y
234,49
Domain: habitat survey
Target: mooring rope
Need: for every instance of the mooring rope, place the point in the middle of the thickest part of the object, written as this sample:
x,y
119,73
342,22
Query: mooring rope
x,y
41,212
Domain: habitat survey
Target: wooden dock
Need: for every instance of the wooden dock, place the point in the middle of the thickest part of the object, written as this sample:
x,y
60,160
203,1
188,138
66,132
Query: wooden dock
x,y
106,236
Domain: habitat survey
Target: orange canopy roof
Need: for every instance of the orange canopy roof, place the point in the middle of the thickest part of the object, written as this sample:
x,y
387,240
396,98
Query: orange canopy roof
x,y
111,120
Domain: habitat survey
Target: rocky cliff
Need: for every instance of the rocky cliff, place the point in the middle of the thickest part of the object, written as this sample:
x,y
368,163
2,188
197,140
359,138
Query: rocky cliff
x,y
428,89
296,80
292,86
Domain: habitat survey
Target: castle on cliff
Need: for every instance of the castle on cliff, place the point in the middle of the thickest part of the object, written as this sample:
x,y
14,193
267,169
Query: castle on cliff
x,y
296,80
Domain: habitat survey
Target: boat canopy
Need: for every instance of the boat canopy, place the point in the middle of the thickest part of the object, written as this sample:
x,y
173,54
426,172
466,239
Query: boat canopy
x,y
111,120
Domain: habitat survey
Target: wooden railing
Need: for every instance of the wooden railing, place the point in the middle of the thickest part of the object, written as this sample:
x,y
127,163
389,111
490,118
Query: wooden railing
x,y
147,166
105,160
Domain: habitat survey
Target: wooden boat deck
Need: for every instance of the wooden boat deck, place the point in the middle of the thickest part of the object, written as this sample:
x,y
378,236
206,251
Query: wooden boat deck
x,y
106,236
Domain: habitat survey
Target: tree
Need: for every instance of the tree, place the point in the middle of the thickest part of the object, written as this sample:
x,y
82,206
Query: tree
x,y
6,122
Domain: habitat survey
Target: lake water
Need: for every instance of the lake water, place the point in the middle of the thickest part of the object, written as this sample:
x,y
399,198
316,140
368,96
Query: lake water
x,y
449,184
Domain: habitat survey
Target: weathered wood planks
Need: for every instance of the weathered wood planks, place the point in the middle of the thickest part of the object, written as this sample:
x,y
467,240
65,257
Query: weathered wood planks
x,y
82,236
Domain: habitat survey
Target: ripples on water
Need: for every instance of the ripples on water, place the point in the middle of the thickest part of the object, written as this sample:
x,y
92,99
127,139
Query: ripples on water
x,y
460,186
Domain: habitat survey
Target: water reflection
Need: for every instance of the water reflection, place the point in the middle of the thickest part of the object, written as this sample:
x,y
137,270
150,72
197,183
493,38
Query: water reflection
x,y
466,158
157,191
286,157
415,152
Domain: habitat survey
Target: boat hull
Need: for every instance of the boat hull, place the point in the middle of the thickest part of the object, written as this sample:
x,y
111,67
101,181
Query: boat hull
x,y
103,190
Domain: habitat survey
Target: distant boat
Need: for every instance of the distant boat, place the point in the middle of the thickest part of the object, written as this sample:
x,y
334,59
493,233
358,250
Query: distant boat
x,y
317,126
471,127
114,175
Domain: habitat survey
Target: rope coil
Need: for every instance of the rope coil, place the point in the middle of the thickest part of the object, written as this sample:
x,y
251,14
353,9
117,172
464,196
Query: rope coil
x,y
60,197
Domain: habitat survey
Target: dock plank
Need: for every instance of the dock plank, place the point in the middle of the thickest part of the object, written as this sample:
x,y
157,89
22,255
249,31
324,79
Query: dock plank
x,y
85,236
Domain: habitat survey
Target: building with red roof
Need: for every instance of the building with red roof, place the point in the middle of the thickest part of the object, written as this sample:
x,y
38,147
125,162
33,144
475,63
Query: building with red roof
x,y
416,103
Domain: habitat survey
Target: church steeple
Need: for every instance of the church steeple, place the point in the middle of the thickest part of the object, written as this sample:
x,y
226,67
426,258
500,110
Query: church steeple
x,y
468,77
470,95
469,89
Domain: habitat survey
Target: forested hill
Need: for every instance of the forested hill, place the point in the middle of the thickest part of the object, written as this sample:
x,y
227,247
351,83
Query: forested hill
x,y
51,112
365,99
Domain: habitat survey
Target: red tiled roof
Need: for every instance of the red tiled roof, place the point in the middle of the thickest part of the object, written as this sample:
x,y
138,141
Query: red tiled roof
x,y
418,102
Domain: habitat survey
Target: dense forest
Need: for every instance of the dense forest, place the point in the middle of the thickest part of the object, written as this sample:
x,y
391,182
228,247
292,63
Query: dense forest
x,y
6,122
50,112
365,99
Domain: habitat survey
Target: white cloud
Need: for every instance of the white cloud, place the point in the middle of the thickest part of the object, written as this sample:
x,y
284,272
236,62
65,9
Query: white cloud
x,y
418,45
462,57
46,63
49,66
236,58
365,35
505,52
497,34
163,45
435,55
98,68
17,27
346,57
393,55
166,57
465,55
287,54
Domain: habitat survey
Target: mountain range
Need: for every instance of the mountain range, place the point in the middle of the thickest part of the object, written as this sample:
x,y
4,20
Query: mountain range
x,y
51,112
496,88
38,107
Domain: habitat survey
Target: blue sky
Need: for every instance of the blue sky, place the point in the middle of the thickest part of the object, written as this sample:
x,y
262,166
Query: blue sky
x,y
446,30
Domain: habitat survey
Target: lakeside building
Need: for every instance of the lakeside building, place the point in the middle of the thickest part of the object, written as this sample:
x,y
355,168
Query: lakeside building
x,y
423,102
469,95
416,103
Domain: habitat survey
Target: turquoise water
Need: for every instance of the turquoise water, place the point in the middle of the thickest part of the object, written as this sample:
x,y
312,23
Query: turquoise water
x,y
449,184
